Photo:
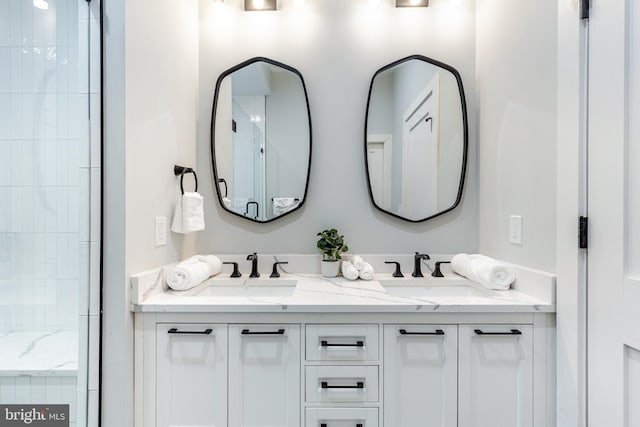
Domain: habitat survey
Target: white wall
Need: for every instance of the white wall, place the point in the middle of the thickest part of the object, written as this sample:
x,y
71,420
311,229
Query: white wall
x,y
516,113
150,125
337,45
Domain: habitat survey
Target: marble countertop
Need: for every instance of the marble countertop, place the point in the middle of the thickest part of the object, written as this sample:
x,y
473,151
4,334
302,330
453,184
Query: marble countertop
x,y
42,353
311,293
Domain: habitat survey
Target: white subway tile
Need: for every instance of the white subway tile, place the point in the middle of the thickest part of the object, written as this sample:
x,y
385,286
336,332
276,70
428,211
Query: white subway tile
x,y
84,205
15,126
5,64
95,204
93,408
94,353
94,284
96,137
15,69
5,207
27,210
94,52
16,22
5,23
84,277
28,116
5,115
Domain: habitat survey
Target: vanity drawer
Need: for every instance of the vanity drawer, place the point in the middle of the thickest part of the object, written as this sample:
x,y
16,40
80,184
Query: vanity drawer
x,y
342,342
341,417
341,383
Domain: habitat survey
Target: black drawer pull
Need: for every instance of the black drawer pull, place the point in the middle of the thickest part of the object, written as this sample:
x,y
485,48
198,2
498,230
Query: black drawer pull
x,y
437,332
328,344
359,384
512,332
248,332
176,331
325,425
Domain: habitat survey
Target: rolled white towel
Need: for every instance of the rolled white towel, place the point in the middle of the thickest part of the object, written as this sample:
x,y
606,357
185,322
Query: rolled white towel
x,y
188,274
366,273
349,271
357,262
189,214
227,202
212,261
484,270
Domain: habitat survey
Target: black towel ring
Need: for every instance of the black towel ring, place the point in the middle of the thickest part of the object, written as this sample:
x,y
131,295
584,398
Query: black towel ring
x,y
181,171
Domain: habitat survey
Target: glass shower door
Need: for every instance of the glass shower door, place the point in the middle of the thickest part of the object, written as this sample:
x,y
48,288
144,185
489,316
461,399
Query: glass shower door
x,y
49,210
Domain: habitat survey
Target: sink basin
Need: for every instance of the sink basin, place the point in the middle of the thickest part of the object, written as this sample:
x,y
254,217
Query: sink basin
x,y
419,289
247,288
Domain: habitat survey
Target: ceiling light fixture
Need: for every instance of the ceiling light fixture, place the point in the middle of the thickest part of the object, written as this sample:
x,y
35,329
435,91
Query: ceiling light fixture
x,y
41,4
412,3
260,5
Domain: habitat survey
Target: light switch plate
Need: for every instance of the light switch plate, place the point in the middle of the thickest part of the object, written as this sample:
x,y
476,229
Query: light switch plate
x,y
161,230
515,229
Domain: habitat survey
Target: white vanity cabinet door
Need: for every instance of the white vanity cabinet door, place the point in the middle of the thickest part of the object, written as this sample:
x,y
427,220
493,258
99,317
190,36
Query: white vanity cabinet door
x,y
420,375
191,372
495,376
264,375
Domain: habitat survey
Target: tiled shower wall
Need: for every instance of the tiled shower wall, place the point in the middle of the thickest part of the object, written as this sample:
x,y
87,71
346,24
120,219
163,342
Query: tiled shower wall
x,y
45,164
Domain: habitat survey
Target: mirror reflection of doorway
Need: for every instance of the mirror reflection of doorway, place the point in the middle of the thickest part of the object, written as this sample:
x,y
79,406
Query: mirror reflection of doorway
x,y
379,167
420,153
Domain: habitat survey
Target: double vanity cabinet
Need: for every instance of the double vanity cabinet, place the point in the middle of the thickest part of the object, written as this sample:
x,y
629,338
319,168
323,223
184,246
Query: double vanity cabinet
x,y
341,370
333,353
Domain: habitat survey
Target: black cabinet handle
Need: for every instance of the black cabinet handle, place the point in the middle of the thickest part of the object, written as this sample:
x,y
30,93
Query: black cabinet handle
x,y
248,332
328,344
325,425
437,332
176,331
359,384
512,332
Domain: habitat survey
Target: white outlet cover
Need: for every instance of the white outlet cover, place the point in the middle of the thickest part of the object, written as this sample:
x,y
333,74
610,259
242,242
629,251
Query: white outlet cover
x,y
161,230
515,229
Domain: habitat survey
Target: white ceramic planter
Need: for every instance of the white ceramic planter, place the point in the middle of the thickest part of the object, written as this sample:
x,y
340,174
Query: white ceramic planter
x,y
330,268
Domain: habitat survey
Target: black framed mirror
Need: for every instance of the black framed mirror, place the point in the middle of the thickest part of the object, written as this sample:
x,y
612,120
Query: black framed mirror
x,y
261,140
416,138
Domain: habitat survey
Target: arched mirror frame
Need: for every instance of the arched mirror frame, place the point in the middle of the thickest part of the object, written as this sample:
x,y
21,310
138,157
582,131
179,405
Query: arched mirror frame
x,y
465,134
213,134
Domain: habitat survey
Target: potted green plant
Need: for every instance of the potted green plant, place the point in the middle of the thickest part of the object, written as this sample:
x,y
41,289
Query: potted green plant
x,y
331,245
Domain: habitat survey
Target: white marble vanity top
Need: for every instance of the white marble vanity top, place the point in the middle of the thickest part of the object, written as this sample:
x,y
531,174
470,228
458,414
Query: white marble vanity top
x,y
311,293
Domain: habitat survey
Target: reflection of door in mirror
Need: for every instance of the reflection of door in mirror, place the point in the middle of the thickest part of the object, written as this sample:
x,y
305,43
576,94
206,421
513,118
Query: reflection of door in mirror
x,y
379,161
248,155
420,126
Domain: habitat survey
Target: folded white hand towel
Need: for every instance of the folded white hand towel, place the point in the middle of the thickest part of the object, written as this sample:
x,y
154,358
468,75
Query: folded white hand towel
x,y
212,261
357,262
189,215
484,270
227,202
366,273
188,274
349,271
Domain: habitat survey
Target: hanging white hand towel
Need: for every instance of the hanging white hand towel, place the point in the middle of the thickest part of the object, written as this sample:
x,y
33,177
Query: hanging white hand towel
x,y
484,270
349,271
189,215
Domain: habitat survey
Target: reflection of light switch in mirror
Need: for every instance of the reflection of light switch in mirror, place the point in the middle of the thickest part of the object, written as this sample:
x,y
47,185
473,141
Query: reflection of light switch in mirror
x,y
259,5
412,3
515,229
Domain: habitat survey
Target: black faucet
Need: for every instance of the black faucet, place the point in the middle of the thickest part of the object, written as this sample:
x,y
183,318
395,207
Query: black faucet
x,y
275,272
246,209
398,272
417,259
236,272
254,264
436,271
